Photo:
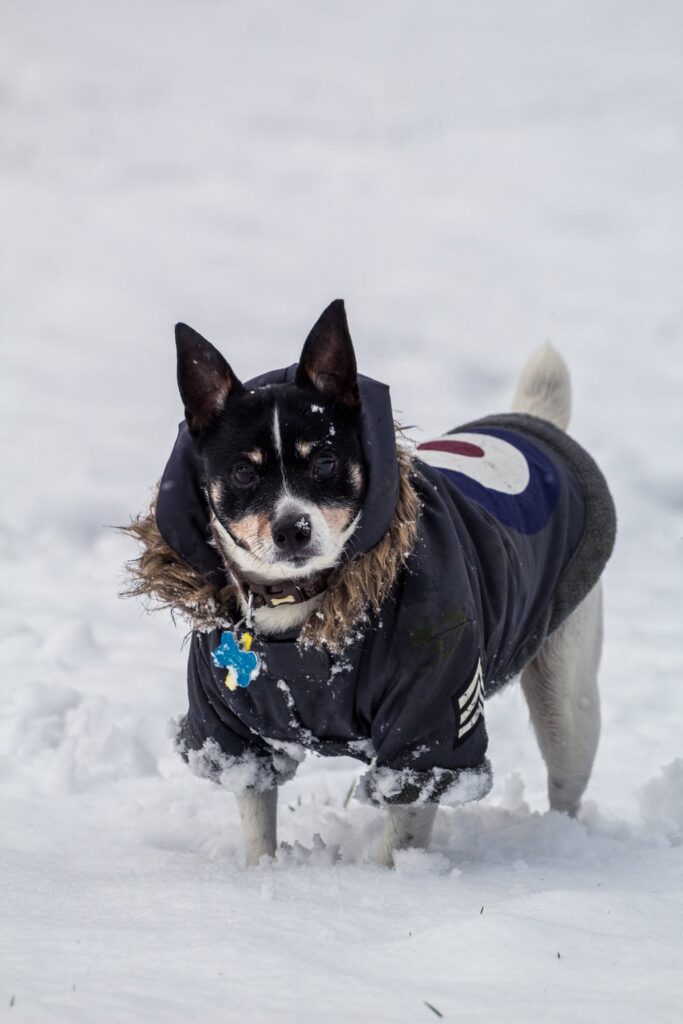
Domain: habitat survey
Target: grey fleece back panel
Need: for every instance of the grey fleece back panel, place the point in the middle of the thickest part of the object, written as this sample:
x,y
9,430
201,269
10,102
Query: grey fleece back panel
x,y
600,525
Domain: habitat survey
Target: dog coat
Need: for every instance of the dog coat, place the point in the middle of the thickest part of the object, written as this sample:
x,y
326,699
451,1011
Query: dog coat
x,y
515,528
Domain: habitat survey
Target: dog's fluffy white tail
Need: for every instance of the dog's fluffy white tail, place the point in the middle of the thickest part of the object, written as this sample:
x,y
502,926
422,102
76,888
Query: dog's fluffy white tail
x,y
544,388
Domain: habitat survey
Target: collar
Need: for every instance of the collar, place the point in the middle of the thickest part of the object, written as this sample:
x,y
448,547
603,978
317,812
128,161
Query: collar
x,y
272,595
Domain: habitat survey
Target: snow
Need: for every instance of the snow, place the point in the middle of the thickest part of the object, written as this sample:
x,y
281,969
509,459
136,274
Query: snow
x,y
473,179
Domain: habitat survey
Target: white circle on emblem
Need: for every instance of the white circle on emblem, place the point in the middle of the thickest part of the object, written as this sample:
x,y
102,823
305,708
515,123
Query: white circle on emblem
x,y
489,460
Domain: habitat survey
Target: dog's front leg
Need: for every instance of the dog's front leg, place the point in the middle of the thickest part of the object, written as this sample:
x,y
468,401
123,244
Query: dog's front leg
x,y
258,811
408,826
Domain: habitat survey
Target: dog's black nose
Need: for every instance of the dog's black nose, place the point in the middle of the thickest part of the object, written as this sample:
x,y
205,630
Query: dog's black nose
x,y
292,533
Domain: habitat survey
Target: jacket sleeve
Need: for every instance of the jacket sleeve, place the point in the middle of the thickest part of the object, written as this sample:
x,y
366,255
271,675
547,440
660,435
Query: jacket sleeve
x,y
213,740
429,731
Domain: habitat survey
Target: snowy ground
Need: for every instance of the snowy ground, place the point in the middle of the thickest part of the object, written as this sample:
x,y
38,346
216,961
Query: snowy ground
x,y
473,179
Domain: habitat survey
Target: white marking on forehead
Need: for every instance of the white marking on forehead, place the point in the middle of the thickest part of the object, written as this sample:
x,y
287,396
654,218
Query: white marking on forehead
x,y
277,440
277,437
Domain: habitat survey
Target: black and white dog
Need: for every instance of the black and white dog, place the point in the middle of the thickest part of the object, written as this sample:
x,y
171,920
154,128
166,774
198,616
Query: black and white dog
x,y
363,598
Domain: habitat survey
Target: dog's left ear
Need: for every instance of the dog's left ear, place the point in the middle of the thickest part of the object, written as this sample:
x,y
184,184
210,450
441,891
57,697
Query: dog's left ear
x,y
328,362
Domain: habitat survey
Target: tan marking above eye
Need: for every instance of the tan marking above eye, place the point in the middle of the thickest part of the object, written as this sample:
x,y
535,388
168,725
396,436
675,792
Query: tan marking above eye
x,y
304,448
255,456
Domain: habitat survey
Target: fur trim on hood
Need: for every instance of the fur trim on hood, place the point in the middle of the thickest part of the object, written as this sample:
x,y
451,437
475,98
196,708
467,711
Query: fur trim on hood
x,y
356,588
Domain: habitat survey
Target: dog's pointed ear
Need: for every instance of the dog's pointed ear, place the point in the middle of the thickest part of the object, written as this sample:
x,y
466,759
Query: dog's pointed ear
x,y
205,380
328,362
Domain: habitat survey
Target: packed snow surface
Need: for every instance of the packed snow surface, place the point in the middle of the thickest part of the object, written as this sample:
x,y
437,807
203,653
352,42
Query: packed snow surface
x,y
474,179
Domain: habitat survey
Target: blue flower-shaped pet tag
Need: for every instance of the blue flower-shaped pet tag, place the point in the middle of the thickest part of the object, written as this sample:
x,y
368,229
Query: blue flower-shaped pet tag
x,y
242,664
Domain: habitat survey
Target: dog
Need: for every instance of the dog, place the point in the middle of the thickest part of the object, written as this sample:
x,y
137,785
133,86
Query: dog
x,y
349,595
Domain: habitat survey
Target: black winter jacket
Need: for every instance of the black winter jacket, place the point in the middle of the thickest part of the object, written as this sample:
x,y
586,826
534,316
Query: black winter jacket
x,y
516,526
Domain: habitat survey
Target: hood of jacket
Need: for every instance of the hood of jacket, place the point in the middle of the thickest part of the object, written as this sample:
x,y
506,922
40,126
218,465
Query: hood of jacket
x,y
182,512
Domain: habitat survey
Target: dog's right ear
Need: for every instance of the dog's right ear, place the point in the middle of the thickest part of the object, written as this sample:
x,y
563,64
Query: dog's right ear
x,y
205,379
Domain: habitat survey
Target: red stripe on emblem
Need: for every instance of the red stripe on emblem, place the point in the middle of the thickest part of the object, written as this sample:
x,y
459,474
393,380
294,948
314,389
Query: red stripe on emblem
x,y
454,447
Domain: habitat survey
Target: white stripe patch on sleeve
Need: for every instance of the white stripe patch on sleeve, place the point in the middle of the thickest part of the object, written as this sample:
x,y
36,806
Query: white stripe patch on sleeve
x,y
471,703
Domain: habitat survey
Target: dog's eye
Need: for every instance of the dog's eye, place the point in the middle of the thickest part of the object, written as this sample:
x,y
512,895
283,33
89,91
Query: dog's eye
x,y
324,465
244,474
